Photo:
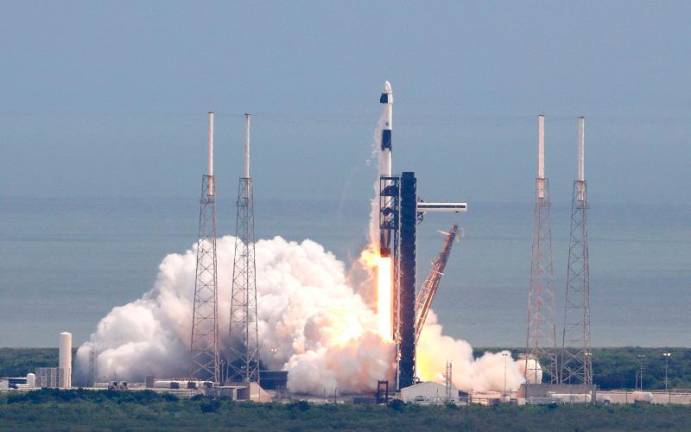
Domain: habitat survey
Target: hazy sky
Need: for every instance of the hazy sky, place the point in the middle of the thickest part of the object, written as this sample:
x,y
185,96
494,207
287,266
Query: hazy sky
x,y
110,98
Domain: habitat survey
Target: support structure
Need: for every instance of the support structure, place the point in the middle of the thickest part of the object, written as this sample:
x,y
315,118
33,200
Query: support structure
x,y
244,331
423,300
382,395
541,338
204,341
576,362
91,379
399,212
448,382
389,223
408,215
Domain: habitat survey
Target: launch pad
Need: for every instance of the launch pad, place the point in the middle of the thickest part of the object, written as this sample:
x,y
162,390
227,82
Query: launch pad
x,y
400,210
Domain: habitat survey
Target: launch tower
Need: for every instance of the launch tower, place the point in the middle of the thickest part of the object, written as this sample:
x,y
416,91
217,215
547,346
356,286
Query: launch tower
x,y
542,334
244,332
204,343
576,363
400,210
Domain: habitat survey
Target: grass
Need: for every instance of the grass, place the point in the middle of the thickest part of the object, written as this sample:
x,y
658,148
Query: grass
x,y
80,410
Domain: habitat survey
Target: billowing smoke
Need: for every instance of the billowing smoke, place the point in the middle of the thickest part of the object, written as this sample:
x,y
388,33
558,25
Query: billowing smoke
x,y
311,323
486,373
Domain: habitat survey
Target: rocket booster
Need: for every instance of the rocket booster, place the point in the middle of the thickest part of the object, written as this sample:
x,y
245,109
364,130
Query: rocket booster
x,y
385,160
386,194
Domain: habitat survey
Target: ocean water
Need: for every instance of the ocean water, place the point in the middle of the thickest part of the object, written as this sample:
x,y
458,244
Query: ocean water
x,y
64,263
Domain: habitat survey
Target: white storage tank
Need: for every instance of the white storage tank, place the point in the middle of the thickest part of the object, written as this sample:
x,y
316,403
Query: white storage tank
x,y
30,381
571,397
65,362
642,397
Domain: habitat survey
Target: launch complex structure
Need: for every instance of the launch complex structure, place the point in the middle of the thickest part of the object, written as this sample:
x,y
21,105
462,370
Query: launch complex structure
x,y
404,311
242,364
204,344
400,210
570,362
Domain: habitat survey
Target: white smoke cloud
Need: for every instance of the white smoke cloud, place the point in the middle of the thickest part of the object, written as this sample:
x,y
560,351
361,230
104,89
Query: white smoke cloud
x,y
486,373
311,323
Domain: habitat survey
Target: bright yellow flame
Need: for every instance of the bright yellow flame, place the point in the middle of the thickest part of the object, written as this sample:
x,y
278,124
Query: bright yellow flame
x,y
384,297
383,268
348,327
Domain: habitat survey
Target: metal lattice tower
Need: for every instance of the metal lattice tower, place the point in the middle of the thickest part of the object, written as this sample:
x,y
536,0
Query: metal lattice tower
x,y
576,363
204,343
542,332
244,332
425,296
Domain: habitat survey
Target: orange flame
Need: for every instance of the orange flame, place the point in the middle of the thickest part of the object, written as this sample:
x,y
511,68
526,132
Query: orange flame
x,y
383,268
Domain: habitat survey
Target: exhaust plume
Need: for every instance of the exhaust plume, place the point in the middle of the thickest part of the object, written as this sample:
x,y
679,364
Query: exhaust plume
x,y
311,323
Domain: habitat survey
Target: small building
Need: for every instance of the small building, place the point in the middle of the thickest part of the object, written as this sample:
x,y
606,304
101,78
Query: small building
x,y
273,379
429,393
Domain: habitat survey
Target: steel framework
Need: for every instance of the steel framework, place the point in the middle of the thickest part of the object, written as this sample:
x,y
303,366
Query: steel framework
x,y
576,362
406,326
448,381
389,223
244,331
423,300
204,343
204,338
542,332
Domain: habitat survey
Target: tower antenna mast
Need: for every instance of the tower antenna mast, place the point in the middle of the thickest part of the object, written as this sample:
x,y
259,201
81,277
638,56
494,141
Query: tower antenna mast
x,y
204,342
576,364
541,337
244,332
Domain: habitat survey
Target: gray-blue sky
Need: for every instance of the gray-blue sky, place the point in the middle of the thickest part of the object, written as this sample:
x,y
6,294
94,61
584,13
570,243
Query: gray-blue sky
x,y
110,98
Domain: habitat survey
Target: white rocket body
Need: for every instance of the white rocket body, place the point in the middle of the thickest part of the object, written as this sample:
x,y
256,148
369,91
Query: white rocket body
x,y
386,98
385,170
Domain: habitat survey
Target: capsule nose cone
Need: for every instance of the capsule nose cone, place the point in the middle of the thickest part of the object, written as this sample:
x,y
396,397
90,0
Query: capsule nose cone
x,y
386,96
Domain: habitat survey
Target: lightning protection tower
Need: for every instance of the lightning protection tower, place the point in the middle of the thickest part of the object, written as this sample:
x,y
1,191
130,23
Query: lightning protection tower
x,y
204,343
576,363
244,332
542,332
